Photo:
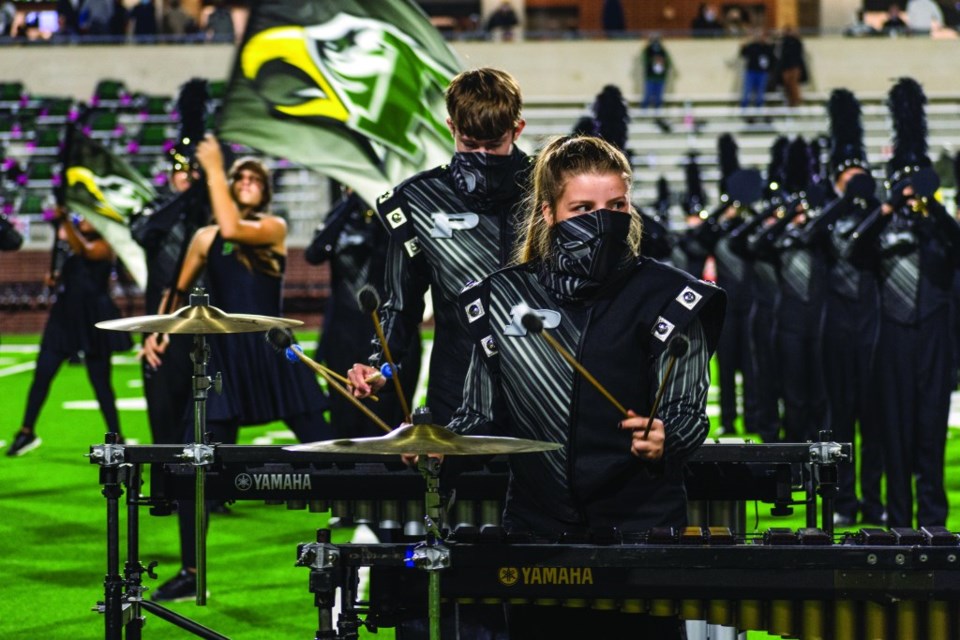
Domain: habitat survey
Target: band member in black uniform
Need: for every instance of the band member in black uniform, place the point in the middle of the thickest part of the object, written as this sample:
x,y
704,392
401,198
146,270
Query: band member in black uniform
x,y
354,242
764,292
82,286
164,230
243,256
733,276
451,225
915,244
851,313
689,252
580,271
800,302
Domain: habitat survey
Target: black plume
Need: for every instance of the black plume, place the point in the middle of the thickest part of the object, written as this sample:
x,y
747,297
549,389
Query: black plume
x,y
612,117
797,166
906,102
727,150
695,199
778,154
846,132
662,203
584,126
192,107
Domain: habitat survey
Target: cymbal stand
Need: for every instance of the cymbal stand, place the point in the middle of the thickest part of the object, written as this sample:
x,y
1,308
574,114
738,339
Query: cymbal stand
x,y
123,603
431,555
200,453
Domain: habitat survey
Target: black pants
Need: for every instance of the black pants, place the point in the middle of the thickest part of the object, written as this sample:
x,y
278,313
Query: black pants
x,y
168,391
801,366
766,373
917,375
849,348
98,371
733,354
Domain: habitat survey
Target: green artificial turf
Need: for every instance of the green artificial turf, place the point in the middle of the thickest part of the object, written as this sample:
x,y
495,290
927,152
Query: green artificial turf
x,y
52,524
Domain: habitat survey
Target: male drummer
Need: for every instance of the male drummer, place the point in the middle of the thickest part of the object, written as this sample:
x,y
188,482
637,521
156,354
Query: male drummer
x,y
451,225
448,226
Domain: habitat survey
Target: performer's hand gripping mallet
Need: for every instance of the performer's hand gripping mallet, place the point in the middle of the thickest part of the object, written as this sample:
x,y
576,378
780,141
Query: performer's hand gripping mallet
x,y
369,302
677,346
281,339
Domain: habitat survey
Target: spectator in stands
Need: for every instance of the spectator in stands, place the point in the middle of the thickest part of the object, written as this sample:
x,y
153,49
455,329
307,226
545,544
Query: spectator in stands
x,y
924,16
119,20
82,284
502,21
793,68
859,28
219,23
656,68
706,24
177,22
735,22
895,24
68,17
8,16
96,17
758,60
144,18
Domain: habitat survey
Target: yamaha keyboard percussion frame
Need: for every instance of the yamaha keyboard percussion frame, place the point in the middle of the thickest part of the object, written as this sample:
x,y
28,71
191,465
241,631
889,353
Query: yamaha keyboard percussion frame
x,y
875,584
717,474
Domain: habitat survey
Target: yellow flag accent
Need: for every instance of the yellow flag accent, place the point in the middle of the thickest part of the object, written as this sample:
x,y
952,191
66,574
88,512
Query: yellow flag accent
x,y
84,176
290,45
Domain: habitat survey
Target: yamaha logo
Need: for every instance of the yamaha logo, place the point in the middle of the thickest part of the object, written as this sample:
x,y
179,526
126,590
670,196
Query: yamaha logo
x,y
273,482
508,576
243,482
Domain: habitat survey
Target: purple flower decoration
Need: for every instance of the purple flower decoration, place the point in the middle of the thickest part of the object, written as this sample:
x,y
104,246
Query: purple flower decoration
x,y
133,147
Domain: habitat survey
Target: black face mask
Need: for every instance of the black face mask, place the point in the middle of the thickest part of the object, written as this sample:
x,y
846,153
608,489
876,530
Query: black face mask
x,y
587,250
487,177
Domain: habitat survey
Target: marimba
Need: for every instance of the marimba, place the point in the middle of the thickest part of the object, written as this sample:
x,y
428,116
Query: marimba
x,y
720,478
898,584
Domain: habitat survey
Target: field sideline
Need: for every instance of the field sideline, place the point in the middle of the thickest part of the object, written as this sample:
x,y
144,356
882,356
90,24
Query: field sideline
x,y
53,523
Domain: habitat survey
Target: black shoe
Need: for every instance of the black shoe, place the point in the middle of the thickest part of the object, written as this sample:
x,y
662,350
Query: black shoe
x,y
23,442
179,588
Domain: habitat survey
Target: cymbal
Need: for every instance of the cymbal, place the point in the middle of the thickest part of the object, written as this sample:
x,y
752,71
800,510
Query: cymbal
x,y
421,439
198,319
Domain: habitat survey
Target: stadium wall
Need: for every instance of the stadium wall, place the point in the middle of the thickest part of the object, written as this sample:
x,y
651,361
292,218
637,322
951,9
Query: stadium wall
x,y
706,69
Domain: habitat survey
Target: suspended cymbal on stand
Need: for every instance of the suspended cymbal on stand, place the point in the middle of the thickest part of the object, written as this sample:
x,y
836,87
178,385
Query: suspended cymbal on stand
x,y
421,439
198,319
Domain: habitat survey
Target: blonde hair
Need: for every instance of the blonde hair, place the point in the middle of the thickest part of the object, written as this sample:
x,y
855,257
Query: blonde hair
x,y
561,159
484,103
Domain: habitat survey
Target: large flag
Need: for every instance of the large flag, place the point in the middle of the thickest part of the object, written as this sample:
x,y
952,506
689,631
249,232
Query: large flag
x,y
352,89
106,190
